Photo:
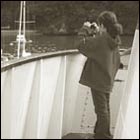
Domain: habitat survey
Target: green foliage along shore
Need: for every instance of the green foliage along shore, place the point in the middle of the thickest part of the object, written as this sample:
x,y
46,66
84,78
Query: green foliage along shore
x,y
68,16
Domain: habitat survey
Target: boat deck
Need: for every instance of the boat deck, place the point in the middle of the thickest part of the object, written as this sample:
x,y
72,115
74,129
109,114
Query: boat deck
x,y
59,107
78,136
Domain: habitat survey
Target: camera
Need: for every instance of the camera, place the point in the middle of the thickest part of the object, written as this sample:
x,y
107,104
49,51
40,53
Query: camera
x,y
92,25
92,28
89,29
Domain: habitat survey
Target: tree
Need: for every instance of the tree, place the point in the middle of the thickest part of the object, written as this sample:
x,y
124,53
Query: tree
x,y
70,13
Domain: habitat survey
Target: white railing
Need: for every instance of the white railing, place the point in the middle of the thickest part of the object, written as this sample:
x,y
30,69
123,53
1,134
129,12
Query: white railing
x,y
41,97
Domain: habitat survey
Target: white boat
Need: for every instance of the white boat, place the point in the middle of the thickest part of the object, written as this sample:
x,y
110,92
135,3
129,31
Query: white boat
x,y
41,97
5,27
21,41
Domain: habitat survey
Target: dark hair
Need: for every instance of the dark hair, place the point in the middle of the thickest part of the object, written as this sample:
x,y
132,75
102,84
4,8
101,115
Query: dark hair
x,y
110,22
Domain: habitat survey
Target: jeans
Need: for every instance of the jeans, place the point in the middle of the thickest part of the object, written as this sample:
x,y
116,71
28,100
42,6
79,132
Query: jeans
x,y
102,110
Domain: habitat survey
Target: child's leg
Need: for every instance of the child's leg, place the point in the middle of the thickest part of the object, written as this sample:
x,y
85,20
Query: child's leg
x,y
102,110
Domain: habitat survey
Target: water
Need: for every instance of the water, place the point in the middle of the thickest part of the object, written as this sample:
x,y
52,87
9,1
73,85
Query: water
x,y
43,43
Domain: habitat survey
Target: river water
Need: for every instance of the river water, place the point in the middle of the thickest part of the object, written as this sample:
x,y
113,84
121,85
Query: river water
x,y
44,43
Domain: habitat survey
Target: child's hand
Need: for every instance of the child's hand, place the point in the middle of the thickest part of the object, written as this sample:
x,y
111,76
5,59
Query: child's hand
x,y
87,28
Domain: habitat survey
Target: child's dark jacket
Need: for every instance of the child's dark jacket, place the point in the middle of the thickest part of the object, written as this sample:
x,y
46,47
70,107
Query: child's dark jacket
x,y
102,63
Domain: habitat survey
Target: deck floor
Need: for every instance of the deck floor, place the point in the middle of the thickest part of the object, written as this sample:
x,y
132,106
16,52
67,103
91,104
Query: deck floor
x,y
78,136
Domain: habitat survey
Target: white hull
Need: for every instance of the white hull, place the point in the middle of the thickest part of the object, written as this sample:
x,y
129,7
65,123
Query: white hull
x,y
43,99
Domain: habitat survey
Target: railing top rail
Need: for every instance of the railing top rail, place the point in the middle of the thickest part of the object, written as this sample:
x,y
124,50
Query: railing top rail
x,y
34,57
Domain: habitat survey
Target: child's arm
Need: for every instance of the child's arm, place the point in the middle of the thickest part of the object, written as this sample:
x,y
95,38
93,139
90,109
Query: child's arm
x,y
87,46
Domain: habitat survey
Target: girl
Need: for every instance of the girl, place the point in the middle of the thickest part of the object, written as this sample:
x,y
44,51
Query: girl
x,y
101,67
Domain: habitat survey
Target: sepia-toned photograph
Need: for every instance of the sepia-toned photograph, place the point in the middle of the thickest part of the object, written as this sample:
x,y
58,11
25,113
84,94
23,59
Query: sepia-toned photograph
x,y
69,69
